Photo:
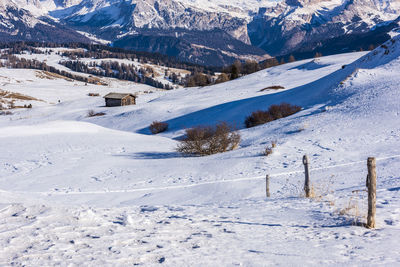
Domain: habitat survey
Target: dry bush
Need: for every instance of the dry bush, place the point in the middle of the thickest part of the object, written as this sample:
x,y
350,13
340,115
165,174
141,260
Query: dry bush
x,y
92,113
6,113
257,118
207,140
93,94
269,149
273,87
158,127
355,210
273,113
273,144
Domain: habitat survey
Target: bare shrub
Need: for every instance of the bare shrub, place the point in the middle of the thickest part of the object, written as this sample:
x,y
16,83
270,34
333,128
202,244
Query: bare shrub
x,y
274,112
273,144
158,127
207,140
269,149
354,210
258,117
6,113
92,113
93,94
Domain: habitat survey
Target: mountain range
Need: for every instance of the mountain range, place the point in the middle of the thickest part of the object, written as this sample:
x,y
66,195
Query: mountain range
x,y
206,32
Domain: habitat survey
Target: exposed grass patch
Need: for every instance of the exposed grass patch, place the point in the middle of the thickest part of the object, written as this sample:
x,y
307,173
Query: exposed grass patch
x,y
92,113
93,94
50,75
17,96
273,87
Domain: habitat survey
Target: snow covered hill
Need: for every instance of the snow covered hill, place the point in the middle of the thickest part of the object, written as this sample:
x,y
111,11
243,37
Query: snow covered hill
x,y
102,190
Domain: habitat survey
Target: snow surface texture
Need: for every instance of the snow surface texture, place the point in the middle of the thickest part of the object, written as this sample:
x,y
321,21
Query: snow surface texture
x,y
102,190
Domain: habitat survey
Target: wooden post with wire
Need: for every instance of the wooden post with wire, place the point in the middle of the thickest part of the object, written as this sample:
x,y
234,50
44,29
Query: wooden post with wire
x,y
307,176
371,185
267,185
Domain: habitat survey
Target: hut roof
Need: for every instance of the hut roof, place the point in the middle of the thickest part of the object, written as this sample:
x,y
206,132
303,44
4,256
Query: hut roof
x,y
118,95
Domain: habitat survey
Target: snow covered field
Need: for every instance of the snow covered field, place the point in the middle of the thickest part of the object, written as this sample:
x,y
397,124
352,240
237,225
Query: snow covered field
x,y
80,190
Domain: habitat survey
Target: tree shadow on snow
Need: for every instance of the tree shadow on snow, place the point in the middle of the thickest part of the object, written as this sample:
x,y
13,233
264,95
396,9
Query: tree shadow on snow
x,y
153,155
312,65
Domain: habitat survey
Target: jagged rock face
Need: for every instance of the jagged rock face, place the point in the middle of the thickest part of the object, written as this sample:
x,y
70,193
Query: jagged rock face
x,y
262,27
130,16
294,28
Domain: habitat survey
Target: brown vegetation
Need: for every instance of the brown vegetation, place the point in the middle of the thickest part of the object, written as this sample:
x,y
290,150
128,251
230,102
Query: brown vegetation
x,y
12,95
5,113
93,94
270,149
273,87
274,112
158,127
198,79
223,77
92,113
207,140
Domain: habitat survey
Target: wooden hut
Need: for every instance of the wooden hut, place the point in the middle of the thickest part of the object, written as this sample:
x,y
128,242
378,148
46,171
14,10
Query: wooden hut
x,y
119,99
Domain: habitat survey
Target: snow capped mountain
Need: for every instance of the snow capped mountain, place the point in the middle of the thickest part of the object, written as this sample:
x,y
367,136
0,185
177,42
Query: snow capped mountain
x,y
263,27
295,25
20,24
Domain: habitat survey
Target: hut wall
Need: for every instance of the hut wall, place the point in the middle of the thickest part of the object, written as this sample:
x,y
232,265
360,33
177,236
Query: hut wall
x,y
113,102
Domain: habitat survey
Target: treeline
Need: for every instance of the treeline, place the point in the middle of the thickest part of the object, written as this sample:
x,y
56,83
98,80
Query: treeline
x,y
97,51
11,61
114,69
234,71
238,68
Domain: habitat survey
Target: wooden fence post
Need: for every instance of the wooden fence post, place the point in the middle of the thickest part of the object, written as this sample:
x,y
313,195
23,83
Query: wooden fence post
x,y
307,176
267,185
371,184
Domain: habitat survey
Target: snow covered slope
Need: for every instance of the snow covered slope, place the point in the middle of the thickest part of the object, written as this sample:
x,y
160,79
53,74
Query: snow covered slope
x,y
106,190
